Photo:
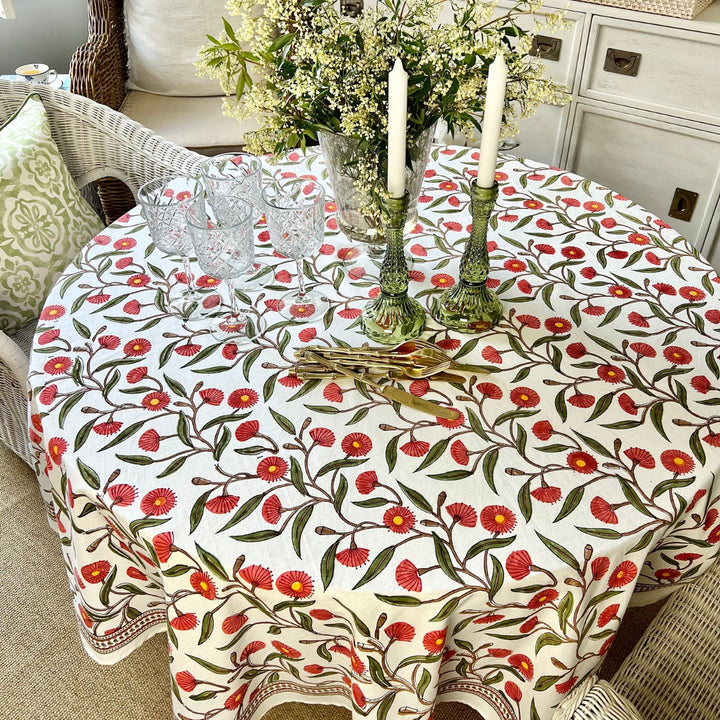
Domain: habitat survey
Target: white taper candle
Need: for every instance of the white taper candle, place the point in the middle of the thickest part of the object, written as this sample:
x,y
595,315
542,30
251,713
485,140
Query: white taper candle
x,y
397,121
492,121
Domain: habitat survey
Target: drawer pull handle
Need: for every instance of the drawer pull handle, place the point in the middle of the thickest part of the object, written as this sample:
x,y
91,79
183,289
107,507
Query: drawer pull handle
x,y
509,145
351,8
622,62
683,204
546,47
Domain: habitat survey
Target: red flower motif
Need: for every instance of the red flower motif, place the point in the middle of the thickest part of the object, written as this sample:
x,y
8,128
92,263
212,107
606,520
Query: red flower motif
x,y
712,439
250,648
408,576
499,652
518,564
677,462
222,504
593,206
434,641
185,681
95,572
714,535
599,567
48,336
233,623
623,574
56,448
542,430
608,223
109,427
271,469
52,312
640,457
558,325
414,275
627,404
701,384
307,334
333,393
136,374
131,307
155,400
677,355
98,299
687,556
547,494
462,514
459,453
158,501
243,398
321,614
286,650
529,625
415,448
446,185
489,390
497,519
620,291
524,397
356,444
508,218
258,576
691,293
323,436
212,396
603,511
57,366
588,273
514,265
202,583
188,349
235,700
230,351
109,342
523,665
358,696
643,349
163,544
582,462
353,556
149,441
566,686
611,374
638,320
122,494
272,509
576,350
442,280
139,280
542,598
573,253
419,387
295,583
122,263
399,519
608,614
529,320
594,310
247,430
490,354
400,631
713,316
638,239
137,347
582,400
570,202
524,286
544,248
366,482
487,619
314,669
669,574
513,691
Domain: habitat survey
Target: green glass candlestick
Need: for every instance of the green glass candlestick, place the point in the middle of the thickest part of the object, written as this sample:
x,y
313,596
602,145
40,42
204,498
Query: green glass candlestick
x,y
392,316
469,306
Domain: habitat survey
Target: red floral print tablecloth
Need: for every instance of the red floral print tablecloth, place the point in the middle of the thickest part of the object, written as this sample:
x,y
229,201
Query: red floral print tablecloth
x,y
308,540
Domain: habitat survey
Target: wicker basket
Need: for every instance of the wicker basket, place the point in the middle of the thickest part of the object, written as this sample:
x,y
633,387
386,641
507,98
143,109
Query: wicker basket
x,y
686,9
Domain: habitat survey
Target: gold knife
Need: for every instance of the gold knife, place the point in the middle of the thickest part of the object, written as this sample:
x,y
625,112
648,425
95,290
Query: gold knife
x,y
390,392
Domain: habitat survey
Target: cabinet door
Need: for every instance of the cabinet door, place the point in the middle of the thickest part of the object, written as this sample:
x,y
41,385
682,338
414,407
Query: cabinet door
x,y
647,160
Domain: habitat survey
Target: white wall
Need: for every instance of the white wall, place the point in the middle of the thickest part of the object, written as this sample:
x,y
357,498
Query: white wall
x,y
46,31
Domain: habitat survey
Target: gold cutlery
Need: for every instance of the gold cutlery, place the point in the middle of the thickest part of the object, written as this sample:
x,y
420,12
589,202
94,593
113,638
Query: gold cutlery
x,y
391,393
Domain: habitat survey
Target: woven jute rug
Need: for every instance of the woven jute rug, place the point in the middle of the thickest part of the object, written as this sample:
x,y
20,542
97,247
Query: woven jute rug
x,y
45,671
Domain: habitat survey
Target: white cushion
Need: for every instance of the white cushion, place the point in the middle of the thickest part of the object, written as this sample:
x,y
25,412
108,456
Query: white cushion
x,y
163,38
193,122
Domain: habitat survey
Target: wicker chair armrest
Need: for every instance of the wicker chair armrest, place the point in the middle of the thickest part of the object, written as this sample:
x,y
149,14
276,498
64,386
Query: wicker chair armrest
x,y
13,356
595,699
98,72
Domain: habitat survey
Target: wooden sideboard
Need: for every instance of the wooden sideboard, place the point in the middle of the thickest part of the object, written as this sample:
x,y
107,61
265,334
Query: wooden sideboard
x,y
644,118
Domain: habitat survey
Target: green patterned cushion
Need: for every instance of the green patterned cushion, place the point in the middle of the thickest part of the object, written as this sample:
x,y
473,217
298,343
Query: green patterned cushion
x,y
44,220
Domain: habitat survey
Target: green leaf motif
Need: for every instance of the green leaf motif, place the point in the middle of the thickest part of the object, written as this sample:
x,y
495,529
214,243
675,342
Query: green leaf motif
x,y
283,422
380,562
89,475
212,563
444,560
560,552
416,498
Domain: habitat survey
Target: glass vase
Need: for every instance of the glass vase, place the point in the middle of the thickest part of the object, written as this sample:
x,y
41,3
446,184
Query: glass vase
x,y
357,217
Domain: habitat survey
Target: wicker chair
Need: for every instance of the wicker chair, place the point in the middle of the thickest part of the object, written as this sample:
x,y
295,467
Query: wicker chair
x,y
672,673
95,143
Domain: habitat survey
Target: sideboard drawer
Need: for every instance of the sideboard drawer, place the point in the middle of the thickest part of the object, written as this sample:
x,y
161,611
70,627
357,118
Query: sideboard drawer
x,y
647,160
676,72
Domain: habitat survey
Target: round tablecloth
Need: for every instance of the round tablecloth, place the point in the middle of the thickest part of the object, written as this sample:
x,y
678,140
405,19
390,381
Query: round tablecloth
x,y
309,540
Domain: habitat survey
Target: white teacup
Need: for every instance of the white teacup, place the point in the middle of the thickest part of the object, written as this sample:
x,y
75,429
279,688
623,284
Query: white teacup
x,y
37,73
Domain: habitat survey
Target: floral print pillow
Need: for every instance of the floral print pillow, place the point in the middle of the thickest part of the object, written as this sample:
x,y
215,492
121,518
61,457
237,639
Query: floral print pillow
x,y
44,220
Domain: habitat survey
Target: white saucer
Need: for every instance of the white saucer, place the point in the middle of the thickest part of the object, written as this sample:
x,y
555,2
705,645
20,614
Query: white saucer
x,y
56,83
